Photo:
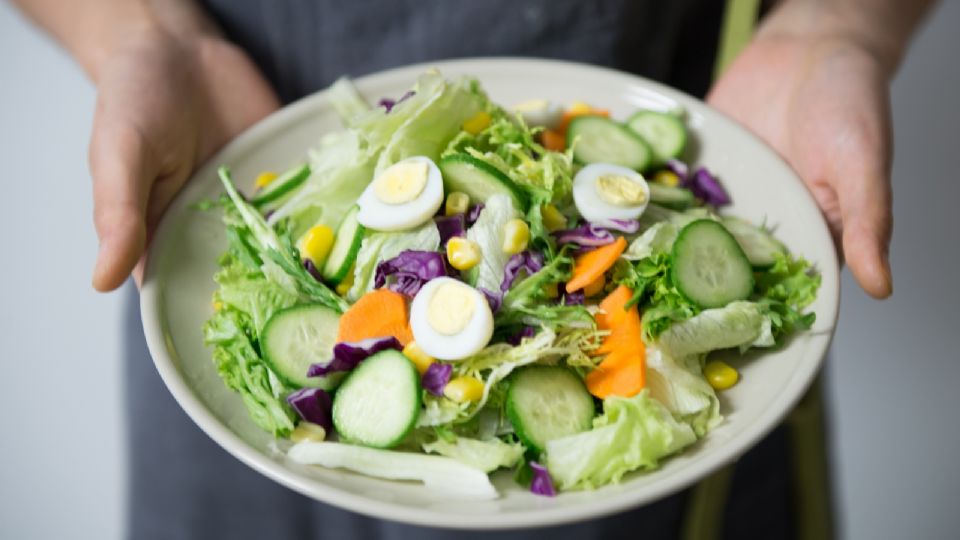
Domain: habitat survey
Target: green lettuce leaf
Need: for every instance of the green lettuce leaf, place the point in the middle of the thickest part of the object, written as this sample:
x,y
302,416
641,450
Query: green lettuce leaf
x,y
252,293
487,455
633,433
487,232
381,246
786,288
680,386
738,324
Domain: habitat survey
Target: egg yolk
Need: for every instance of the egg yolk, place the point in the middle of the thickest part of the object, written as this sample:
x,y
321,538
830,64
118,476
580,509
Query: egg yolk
x,y
401,183
450,309
620,190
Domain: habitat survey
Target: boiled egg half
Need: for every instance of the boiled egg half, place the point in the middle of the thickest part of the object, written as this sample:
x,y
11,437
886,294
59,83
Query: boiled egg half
x,y
402,196
605,191
450,319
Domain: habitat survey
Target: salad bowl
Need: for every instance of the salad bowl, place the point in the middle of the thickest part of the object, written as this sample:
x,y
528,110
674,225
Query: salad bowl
x,y
177,289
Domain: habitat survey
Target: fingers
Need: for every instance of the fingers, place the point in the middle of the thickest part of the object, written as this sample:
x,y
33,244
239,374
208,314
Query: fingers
x,y
120,165
867,224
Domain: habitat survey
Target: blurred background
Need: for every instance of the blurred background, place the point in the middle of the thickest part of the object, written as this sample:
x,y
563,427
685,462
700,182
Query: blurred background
x,y
893,376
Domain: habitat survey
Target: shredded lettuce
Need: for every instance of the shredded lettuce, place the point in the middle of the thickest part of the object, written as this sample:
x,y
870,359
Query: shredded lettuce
x,y
786,288
632,433
487,455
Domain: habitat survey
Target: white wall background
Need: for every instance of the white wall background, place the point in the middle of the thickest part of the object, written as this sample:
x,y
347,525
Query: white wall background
x,y
893,381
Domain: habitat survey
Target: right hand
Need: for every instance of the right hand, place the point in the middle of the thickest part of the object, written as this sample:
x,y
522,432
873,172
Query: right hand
x,y
164,105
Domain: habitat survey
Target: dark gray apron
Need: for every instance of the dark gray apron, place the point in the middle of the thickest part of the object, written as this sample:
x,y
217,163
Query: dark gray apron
x,y
184,486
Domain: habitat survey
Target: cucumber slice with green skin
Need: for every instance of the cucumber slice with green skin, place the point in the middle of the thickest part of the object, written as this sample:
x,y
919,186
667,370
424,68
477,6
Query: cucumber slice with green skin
x,y
601,140
346,245
709,266
547,402
281,186
296,337
677,198
378,404
760,247
664,132
479,180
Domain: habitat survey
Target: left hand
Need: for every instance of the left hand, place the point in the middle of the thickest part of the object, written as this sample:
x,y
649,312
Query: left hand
x,y
823,104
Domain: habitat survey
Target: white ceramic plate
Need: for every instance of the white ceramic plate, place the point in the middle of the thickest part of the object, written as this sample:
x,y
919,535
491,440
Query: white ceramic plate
x,y
182,260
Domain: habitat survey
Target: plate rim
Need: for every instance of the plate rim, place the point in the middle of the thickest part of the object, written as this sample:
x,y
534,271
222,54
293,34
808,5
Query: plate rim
x,y
152,311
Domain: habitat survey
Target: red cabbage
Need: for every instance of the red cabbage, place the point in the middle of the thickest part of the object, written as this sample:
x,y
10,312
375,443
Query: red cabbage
x,y
707,188
347,355
495,299
628,226
587,234
525,332
474,213
529,261
312,269
409,270
678,168
541,483
576,298
313,405
436,377
450,226
389,104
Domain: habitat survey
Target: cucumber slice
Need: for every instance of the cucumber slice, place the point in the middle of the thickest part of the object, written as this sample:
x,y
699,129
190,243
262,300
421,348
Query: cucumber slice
x,y
760,247
546,403
379,402
299,336
479,180
664,132
346,245
677,198
281,187
709,266
601,140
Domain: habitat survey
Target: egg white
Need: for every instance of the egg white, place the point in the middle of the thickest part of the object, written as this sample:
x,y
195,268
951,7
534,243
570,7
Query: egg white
x,y
380,216
474,336
539,113
588,201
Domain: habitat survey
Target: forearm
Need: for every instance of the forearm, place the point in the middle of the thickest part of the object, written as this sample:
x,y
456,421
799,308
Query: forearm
x,y
882,27
92,30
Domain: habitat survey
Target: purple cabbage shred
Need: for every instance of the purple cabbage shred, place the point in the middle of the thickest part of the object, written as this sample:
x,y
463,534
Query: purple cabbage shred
x,y
706,187
541,483
312,269
495,299
576,298
407,272
313,405
450,226
347,355
525,332
436,377
587,235
473,214
389,104
527,261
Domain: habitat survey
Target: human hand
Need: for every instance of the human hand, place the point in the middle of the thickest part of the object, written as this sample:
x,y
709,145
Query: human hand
x,y
823,104
164,105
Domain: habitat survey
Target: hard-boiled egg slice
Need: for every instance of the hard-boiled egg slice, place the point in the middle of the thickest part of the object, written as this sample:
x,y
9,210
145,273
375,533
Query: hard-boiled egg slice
x,y
403,196
539,112
450,319
604,191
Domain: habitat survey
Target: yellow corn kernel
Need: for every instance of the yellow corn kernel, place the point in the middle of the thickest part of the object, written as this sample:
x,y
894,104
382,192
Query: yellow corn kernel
x,y
595,287
477,123
464,389
516,236
720,375
553,220
667,178
550,290
316,244
217,305
579,107
308,431
462,253
420,359
263,179
457,203
344,286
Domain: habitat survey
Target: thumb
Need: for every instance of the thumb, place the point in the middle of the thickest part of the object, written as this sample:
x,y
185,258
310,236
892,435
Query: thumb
x,y
120,166
865,205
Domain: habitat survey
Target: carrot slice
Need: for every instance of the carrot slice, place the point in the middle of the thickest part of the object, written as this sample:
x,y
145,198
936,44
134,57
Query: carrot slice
x,y
378,313
555,141
592,264
622,372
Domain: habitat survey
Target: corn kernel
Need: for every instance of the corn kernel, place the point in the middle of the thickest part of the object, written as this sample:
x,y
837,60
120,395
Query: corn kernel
x,y
263,179
344,286
667,178
477,123
420,359
720,375
457,203
516,236
550,290
462,253
308,431
595,287
217,305
579,107
464,389
553,220
317,243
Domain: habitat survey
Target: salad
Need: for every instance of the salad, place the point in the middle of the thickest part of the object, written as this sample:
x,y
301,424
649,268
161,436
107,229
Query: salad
x,y
448,287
